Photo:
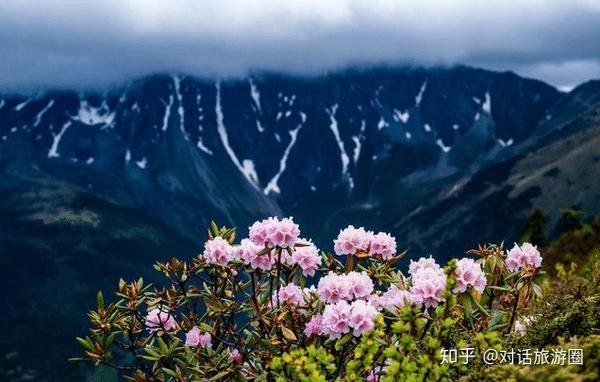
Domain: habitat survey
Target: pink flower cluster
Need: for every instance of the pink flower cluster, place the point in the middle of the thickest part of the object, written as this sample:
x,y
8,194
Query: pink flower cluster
x,y
422,263
235,356
428,282
196,338
469,274
333,288
217,251
392,299
352,240
382,244
159,319
377,373
273,232
250,254
339,318
307,258
314,327
289,294
525,256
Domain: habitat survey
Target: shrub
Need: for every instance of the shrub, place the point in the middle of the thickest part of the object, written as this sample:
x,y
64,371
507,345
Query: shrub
x,y
244,311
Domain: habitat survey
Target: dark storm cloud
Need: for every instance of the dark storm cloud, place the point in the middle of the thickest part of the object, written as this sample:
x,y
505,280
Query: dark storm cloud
x,y
93,43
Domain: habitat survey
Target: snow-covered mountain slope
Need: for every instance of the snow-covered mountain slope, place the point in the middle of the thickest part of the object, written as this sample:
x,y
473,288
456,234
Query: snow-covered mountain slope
x,y
327,149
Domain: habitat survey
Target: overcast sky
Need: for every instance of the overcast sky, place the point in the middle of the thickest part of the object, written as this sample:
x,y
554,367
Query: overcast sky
x,y
94,43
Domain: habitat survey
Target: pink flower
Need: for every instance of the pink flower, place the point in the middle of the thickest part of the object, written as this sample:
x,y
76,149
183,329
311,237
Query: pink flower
x,y
469,273
307,258
273,232
217,251
333,288
196,338
423,262
428,284
158,319
290,294
522,324
362,314
249,253
378,371
336,319
382,244
525,256
258,232
235,356
314,326
284,233
376,300
360,284
395,298
351,240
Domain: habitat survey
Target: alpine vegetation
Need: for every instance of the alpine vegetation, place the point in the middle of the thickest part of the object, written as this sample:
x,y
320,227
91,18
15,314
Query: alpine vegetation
x,y
274,307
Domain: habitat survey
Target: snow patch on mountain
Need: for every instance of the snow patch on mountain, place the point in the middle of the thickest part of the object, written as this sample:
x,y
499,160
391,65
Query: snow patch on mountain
x,y
273,186
142,163
38,117
336,133
180,110
202,147
247,166
487,104
53,151
168,106
22,105
400,116
419,96
382,123
357,146
427,127
90,115
442,146
255,94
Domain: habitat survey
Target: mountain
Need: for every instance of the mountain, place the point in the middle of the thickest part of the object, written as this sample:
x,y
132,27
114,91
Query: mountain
x,y
551,171
98,185
357,146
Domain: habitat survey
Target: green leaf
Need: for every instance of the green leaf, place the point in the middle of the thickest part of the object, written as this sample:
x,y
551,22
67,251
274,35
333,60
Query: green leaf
x,y
86,343
339,344
214,229
220,375
100,301
466,302
170,372
480,307
502,289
